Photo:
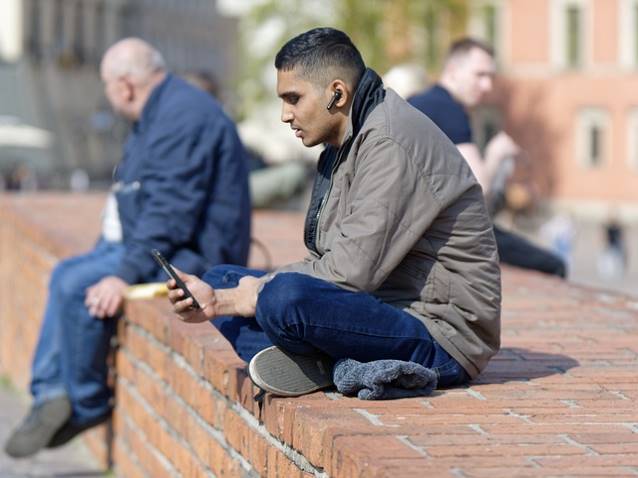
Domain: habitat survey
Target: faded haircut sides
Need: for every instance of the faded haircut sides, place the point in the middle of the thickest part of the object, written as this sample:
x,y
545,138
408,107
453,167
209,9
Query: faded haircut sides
x,y
321,55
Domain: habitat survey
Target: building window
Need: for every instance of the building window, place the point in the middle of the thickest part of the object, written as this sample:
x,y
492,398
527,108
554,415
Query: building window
x,y
490,24
486,23
573,47
593,137
632,137
33,38
628,32
568,40
594,153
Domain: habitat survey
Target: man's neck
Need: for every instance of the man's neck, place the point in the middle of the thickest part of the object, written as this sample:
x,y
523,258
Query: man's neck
x,y
343,129
144,92
450,87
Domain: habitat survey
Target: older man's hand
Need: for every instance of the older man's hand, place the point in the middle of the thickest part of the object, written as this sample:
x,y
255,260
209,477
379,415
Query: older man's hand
x,y
105,299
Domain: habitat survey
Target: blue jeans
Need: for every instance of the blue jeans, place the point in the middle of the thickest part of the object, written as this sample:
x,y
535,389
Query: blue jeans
x,y
70,358
305,315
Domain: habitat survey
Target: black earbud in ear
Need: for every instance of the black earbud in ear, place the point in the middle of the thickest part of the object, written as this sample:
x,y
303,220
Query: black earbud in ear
x,y
335,97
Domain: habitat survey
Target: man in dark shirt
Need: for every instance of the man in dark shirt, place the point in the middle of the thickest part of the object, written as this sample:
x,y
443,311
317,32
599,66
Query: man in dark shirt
x,y
467,76
181,188
448,114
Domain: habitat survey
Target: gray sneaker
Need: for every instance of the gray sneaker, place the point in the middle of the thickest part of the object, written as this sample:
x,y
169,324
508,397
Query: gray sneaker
x,y
37,429
286,374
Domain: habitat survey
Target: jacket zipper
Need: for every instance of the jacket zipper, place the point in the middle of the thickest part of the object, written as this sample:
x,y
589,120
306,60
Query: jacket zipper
x,y
325,197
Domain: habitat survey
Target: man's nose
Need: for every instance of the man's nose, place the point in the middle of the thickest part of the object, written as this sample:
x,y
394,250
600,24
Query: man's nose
x,y
286,114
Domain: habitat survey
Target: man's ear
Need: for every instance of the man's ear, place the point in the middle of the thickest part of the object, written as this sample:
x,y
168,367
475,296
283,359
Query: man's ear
x,y
126,88
340,94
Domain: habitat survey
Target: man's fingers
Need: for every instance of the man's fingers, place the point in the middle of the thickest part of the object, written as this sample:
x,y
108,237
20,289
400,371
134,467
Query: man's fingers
x,y
92,303
183,305
93,310
111,306
96,310
171,284
175,295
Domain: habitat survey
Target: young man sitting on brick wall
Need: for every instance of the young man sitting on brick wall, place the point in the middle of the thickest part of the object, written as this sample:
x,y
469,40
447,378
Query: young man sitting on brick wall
x,y
402,261
181,188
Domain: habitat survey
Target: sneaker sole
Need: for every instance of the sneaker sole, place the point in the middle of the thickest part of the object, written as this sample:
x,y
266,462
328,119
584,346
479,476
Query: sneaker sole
x,y
289,375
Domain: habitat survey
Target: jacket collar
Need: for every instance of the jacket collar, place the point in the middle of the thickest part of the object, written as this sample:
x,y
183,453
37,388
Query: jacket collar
x,y
367,96
152,104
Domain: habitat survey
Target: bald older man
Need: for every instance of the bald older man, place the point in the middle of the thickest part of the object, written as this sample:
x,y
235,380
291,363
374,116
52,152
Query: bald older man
x,y
181,187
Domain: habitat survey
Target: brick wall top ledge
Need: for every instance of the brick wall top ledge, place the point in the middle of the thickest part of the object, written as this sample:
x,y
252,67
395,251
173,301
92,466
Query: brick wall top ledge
x,y
559,399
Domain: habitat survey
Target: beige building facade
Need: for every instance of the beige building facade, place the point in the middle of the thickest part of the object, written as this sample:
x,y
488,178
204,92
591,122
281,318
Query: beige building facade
x,y
568,93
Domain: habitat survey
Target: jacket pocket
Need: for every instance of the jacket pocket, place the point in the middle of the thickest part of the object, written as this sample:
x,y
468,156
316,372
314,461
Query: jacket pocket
x,y
437,287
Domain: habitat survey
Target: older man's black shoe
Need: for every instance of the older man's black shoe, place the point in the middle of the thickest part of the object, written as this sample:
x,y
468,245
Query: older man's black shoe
x,y
70,430
39,426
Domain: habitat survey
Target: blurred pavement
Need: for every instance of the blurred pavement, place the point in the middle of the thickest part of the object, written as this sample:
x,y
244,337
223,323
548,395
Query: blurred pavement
x,y
589,243
587,247
70,461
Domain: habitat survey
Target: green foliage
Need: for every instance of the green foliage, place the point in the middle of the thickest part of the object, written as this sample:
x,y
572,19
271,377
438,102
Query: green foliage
x,y
387,32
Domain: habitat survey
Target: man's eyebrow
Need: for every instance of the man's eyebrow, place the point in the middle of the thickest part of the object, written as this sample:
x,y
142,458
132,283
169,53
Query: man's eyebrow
x,y
288,94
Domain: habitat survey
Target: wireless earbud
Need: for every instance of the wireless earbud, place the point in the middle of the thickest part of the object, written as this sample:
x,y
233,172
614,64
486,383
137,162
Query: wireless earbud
x,y
336,97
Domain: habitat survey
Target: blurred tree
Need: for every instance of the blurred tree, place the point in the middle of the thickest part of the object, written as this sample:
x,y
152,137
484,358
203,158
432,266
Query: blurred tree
x,y
387,32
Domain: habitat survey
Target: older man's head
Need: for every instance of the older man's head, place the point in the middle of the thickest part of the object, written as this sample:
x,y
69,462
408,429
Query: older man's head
x,y
130,69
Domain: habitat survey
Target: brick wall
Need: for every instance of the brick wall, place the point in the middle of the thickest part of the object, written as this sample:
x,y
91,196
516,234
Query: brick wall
x,y
559,399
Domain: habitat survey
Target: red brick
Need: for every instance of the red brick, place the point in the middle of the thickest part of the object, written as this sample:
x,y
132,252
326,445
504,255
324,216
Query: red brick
x,y
125,466
564,381
585,462
280,466
495,449
534,472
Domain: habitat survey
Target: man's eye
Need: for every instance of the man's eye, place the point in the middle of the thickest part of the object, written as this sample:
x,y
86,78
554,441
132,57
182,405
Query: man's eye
x,y
293,100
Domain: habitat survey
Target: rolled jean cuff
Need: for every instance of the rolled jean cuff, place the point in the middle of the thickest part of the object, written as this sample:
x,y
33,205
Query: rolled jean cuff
x,y
49,395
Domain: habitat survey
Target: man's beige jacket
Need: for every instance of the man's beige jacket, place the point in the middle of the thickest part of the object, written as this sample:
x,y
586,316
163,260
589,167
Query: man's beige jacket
x,y
405,220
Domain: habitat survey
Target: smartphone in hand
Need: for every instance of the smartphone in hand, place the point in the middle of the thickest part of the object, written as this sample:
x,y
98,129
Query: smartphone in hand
x,y
161,260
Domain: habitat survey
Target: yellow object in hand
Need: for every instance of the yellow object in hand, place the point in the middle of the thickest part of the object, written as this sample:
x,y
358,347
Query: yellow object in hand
x,y
146,291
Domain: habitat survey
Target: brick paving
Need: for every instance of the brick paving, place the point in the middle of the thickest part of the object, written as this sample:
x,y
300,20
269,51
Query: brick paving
x,y
558,400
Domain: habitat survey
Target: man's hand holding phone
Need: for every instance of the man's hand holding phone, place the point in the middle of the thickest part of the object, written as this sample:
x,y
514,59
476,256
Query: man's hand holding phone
x,y
186,291
183,305
195,301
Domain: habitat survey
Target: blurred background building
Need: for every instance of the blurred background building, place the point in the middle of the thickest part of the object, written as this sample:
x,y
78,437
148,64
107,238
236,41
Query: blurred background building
x,y
51,51
567,92
569,95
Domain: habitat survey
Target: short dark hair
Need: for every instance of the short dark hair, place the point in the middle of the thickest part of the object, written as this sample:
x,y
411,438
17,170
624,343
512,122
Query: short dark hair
x,y
318,53
463,46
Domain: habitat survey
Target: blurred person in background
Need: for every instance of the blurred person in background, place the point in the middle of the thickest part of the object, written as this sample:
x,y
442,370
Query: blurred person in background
x,y
205,80
467,76
612,261
182,188
273,180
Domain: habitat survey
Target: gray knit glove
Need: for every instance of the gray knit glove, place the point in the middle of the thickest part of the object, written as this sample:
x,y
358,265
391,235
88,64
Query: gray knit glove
x,y
383,379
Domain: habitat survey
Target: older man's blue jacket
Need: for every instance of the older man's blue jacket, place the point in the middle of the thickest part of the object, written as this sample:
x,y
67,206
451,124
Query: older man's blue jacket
x,y
182,185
